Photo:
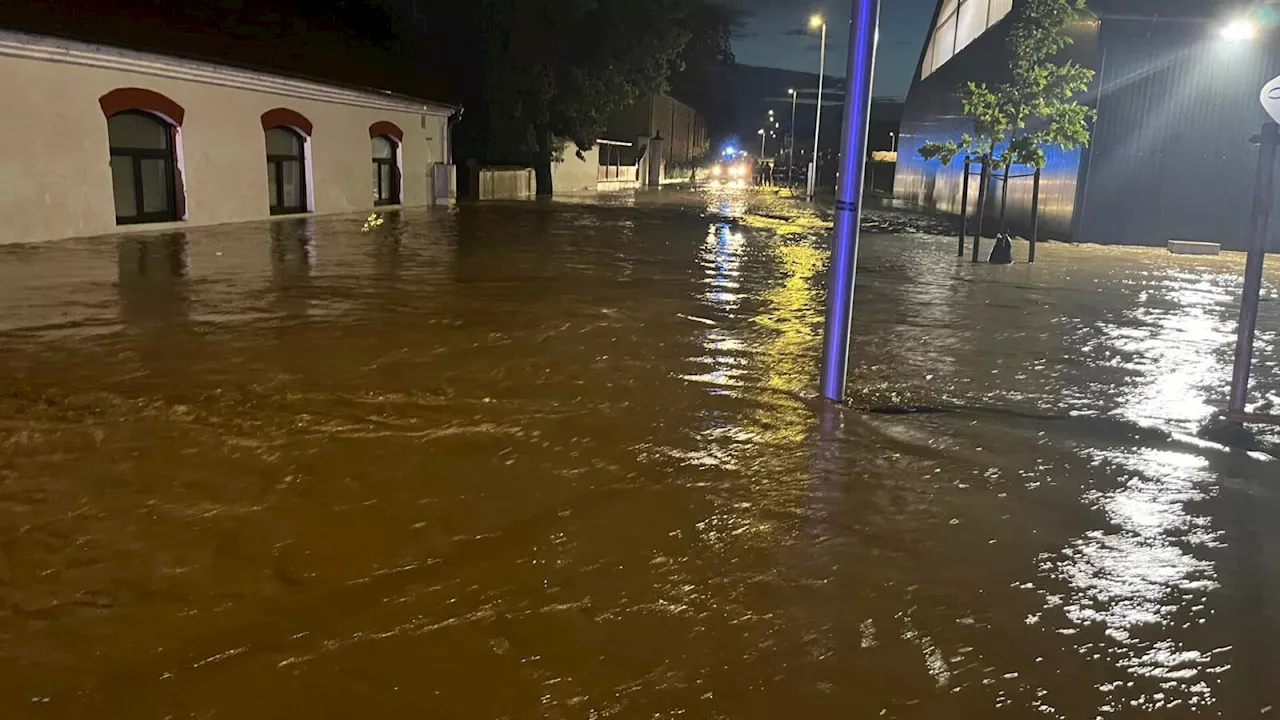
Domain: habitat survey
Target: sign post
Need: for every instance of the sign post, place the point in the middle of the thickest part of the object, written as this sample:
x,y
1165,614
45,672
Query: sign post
x,y
1264,178
1267,141
863,32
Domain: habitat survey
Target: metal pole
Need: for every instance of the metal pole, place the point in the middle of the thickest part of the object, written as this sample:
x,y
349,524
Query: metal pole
x,y
791,155
984,178
1035,215
853,158
817,119
1268,139
964,208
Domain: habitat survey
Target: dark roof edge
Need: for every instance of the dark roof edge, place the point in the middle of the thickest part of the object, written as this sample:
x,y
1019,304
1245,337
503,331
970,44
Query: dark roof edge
x,y
231,64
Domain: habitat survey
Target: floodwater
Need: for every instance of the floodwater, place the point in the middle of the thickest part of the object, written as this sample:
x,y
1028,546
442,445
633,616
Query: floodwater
x,y
556,460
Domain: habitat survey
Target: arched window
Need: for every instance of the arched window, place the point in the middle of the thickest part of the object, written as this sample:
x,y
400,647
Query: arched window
x,y
286,171
142,167
386,172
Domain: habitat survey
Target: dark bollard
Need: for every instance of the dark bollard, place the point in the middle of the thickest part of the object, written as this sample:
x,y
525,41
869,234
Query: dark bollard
x,y
984,179
1035,215
964,207
1002,252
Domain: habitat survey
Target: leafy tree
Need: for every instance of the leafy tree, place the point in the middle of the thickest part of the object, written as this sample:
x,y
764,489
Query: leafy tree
x,y
710,27
1036,106
560,68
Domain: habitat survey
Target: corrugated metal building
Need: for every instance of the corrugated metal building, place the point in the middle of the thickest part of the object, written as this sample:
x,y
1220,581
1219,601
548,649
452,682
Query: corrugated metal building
x,y
1170,154
683,127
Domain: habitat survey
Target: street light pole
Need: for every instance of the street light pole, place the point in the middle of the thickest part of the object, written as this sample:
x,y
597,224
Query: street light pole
x,y
815,21
853,157
761,131
893,141
791,151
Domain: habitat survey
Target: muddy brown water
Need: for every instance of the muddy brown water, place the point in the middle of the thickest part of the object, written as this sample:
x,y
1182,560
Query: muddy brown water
x,y
561,460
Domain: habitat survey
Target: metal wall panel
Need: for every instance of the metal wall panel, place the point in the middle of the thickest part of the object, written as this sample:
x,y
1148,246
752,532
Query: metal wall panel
x,y
1170,157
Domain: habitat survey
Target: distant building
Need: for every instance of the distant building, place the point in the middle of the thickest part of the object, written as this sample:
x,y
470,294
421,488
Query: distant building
x,y
683,129
1169,156
106,138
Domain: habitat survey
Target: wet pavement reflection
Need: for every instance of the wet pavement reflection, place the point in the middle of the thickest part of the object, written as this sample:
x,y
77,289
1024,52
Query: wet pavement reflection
x,y
564,460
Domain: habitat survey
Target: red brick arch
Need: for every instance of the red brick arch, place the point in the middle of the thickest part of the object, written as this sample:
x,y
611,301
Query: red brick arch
x,y
121,99
390,129
284,117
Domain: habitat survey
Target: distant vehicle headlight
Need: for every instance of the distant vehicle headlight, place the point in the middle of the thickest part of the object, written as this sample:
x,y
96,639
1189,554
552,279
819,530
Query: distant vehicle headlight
x,y
735,171
716,170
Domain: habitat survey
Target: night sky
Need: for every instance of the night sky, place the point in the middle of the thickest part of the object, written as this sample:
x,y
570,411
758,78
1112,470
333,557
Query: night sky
x,y
774,34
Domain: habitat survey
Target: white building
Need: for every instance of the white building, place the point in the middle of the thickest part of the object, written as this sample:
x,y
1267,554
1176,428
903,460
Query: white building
x,y
100,140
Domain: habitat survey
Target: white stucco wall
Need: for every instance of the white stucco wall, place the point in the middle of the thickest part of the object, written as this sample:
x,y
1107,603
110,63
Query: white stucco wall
x,y
55,177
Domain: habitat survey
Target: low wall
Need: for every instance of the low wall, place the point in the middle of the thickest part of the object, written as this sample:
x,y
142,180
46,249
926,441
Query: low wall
x,y
503,183
573,174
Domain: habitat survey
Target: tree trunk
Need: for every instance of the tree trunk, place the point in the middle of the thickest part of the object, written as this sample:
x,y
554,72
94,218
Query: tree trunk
x,y
985,180
1004,196
1035,214
542,164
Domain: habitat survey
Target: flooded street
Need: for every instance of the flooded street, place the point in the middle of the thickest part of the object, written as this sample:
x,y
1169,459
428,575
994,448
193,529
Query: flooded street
x,y
562,460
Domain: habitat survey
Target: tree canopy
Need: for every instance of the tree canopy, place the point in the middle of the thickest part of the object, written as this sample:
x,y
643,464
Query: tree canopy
x,y
1037,106
562,67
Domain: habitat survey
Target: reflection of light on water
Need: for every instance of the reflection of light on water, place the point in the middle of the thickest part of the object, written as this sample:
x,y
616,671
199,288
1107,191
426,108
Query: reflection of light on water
x,y
723,357
934,662
726,201
791,317
774,344
1178,364
1138,580
721,258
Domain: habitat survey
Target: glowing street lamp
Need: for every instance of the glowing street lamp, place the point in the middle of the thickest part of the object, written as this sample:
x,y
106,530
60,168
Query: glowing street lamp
x,y
815,22
1240,29
760,132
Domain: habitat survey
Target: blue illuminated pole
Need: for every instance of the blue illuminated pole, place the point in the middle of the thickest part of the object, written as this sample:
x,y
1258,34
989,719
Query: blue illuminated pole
x,y
853,157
